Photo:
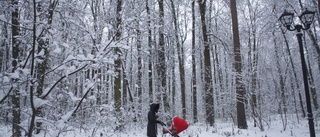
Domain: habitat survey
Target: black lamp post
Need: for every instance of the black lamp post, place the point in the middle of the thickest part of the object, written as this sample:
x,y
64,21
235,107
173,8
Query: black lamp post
x,y
306,18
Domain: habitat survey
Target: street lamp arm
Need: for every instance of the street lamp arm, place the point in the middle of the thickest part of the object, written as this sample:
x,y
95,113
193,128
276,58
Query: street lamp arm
x,y
290,28
297,28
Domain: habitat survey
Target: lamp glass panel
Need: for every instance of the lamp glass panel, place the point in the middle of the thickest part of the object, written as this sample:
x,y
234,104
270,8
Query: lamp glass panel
x,y
286,20
307,18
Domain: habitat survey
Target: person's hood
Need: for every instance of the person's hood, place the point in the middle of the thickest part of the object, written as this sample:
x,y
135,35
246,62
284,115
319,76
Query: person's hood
x,y
154,107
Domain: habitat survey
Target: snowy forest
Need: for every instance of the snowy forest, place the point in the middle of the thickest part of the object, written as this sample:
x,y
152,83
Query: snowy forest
x,y
99,64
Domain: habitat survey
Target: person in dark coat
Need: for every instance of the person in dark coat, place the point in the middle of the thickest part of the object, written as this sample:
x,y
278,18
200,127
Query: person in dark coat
x,y
153,120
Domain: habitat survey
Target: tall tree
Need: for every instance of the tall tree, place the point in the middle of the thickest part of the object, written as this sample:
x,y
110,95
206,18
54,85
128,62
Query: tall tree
x,y
118,54
181,57
194,75
311,81
150,70
4,41
161,66
3,45
140,64
207,66
42,52
33,116
16,132
281,87
240,90
253,43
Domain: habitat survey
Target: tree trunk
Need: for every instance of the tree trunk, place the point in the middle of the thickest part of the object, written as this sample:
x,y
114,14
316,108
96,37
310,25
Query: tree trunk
x,y
161,68
42,47
34,112
16,132
4,53
117,62
140,62
240,91
281,94
311,81
313,90
194,75
150,70
181,57
252,59
6,48
207,66
217,68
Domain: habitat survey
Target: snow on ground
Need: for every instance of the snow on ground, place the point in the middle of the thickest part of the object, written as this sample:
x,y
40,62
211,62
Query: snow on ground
x,y
275,129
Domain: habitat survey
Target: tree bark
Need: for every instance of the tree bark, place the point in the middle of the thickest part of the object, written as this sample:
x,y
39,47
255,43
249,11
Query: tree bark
x,y
207,66
16,132
41,66
150,70
194,75
161,66
118,65
240,90
311,80
33,116
4,47
281,92
181,57
140,64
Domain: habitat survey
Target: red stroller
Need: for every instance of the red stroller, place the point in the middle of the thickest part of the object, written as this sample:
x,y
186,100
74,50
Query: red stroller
x,y
178,125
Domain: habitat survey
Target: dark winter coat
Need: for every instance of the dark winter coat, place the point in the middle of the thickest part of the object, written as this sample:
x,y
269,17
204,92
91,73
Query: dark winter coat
x,y
152,120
